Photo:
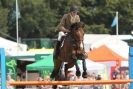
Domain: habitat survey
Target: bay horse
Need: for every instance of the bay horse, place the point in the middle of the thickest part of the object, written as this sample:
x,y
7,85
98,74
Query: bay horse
x,y
72,49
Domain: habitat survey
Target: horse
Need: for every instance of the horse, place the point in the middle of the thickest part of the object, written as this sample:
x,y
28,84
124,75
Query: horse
x,y
71,50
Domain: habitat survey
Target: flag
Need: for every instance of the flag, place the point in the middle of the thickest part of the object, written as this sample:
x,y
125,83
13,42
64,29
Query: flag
x,y
115,21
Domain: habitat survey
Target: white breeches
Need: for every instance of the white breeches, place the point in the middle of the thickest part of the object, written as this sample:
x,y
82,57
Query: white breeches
x,y
60,34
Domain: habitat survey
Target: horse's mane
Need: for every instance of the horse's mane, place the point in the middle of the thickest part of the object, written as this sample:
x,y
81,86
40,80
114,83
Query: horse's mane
x,y
77,25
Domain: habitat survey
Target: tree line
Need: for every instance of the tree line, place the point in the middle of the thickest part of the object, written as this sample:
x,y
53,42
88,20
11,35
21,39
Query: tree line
x,y
39,18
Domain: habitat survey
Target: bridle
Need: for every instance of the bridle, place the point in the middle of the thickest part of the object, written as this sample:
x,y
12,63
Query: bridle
x,y
77,35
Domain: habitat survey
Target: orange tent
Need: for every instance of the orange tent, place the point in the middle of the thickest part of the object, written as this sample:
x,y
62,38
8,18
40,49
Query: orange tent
x,y
103,53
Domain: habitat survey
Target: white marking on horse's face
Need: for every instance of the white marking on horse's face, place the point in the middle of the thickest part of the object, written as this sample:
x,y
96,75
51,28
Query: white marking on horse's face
x,y
81,45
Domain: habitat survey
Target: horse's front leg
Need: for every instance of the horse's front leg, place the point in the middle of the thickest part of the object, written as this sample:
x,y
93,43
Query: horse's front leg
x,y
78,73
70,65
84,75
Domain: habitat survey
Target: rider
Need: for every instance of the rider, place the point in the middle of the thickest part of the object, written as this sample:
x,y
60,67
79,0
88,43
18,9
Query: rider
x,y
64,25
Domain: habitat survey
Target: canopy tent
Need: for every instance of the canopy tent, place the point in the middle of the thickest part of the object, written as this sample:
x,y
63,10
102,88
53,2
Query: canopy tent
x,y
92,38
90,65
12,47
45,64
109,40
122,50
118,46
103,53
89,39
31,54
125,63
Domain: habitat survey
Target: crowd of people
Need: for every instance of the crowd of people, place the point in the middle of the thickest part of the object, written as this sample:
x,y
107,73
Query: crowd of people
x,y
117,74
120,75
46,78
72,77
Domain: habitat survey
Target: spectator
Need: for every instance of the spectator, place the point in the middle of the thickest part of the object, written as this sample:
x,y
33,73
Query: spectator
x,y
40,86
117,86
114,74
99,77
86,86
47,78
72,77
93,76
9,79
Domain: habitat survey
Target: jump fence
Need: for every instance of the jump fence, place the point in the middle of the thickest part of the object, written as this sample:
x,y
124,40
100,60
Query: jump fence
x,y
20,83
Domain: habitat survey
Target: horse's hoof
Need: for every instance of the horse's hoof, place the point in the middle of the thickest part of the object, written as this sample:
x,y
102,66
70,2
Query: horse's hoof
x,y
84,75
78,73
54,86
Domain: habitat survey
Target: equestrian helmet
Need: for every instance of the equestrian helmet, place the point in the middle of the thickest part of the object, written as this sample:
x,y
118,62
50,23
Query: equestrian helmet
x,y
73,8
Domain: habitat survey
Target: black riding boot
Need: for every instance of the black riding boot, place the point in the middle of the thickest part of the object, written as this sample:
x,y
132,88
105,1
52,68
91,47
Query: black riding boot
x,y
57,49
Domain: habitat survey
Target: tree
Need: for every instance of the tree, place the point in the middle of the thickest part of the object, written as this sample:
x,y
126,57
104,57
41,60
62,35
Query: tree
x,y
4,3
98,12
39,18
3,22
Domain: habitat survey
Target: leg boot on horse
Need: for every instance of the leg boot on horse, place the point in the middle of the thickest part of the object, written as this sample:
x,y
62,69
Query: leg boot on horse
x,y
84,74
78,73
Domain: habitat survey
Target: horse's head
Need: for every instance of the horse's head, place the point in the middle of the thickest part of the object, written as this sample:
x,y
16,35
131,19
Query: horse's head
x,y
77,31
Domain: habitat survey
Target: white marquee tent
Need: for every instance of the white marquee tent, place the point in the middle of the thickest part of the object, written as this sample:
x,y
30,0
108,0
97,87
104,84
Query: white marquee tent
x,y
118,46
89,39
91,66
12,47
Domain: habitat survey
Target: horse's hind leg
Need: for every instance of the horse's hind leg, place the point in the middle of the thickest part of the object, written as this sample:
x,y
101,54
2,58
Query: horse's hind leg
x,y
84,75
55,72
